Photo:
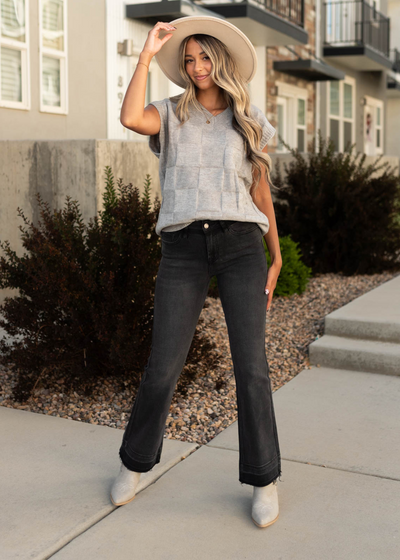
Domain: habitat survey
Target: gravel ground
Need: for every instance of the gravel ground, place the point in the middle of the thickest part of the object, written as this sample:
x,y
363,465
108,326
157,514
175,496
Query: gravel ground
x,y
292,324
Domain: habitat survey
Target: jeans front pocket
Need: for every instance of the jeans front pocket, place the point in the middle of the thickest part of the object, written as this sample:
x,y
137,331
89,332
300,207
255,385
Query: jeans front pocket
x,y
171,237
241,228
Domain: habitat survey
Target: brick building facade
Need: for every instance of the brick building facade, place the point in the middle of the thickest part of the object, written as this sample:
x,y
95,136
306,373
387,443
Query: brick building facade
x,y
291,101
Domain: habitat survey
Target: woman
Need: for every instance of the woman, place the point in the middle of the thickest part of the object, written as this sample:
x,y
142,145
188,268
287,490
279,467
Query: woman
x,y
216,208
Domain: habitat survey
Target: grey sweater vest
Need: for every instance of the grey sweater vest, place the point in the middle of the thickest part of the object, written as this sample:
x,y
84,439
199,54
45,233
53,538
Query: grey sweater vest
x,y
204,172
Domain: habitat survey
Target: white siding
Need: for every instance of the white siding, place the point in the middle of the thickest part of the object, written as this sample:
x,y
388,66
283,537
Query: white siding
x,y
120,68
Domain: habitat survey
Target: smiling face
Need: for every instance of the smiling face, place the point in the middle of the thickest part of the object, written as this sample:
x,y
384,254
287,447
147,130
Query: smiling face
x,y
198,65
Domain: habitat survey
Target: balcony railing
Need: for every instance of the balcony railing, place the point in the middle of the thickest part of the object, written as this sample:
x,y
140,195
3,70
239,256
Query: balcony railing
x,y
292,10
356,23
395,58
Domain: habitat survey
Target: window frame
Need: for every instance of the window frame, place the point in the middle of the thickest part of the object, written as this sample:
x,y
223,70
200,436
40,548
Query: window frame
x,y
379,127
374,103
62,56
283,101
24,49
301,126
341,118
291,94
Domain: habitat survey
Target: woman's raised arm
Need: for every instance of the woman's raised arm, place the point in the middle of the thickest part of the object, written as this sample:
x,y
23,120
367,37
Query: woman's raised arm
x,y
133,113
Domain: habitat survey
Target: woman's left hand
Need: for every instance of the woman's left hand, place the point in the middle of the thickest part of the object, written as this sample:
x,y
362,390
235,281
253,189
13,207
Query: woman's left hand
x,y
272,278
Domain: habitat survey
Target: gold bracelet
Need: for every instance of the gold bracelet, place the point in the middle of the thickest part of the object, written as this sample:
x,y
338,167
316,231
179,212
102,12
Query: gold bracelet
x,y
142,63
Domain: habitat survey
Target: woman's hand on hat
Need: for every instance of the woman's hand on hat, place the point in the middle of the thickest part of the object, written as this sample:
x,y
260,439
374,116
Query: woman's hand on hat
x,y
153,43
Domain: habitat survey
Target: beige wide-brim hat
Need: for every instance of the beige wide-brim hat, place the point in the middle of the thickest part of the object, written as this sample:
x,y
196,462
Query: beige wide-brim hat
x,y
235,40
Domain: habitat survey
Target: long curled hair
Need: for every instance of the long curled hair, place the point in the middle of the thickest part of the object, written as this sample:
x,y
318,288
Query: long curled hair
x,y
234,88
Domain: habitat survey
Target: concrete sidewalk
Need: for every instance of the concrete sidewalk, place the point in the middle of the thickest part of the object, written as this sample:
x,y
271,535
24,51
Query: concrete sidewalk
x,y
339,491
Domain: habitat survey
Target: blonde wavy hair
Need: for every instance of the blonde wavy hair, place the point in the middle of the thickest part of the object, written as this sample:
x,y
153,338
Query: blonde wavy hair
x,y
226,75
234,88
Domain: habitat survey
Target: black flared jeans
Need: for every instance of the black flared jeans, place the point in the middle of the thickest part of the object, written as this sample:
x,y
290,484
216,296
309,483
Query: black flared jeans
x,y
234,252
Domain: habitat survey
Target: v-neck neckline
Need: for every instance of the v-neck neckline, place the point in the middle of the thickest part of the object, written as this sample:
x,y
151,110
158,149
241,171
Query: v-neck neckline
x,y
213,116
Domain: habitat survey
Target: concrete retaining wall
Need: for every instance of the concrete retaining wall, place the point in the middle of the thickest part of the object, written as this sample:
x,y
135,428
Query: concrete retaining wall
x,y
57,168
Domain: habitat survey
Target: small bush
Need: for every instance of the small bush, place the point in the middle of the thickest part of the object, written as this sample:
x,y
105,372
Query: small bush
x,y
213,288
86,294
294,275
344,214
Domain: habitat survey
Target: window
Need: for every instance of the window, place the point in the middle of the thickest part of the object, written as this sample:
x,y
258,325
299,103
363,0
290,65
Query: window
x,y
291,117
378,128
341,96
348,110
301,124
53,56
373,126
281,119
341,17
14,54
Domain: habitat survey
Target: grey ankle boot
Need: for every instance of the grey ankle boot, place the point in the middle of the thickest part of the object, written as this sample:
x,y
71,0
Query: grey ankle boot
x,y
265,506
124,487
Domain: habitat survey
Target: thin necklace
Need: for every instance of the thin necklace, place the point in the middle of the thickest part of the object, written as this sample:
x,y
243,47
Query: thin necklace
x,y
207,120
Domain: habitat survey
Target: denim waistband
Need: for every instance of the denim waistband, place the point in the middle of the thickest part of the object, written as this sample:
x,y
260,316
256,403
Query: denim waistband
x,y
198,225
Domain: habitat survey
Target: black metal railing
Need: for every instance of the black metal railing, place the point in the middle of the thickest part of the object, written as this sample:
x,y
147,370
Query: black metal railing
x,y
395,58
356,23
292,10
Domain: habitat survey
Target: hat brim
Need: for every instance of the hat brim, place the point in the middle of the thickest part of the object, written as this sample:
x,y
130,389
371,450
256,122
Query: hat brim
x,y
235,40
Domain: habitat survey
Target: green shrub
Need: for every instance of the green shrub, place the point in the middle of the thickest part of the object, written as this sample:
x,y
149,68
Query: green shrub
x,y
213,288
294,275
86,294
342,212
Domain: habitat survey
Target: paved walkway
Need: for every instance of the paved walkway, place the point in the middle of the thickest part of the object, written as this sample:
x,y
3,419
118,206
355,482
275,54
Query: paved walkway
x,y
339,491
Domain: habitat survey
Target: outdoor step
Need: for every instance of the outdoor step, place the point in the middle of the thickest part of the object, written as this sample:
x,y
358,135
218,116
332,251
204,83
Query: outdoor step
x,y
356,354
374,316
354,327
